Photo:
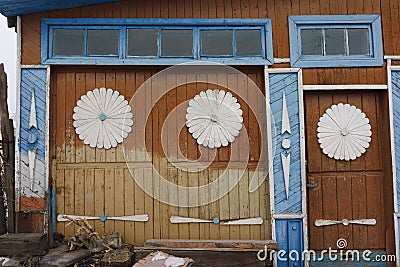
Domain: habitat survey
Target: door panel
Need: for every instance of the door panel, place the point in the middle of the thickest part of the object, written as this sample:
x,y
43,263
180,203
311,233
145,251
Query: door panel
x,y
350,190
92,181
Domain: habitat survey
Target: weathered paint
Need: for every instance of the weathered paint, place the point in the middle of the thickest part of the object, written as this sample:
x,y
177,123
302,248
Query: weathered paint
x,y
396,127
289,235
288,83
33,139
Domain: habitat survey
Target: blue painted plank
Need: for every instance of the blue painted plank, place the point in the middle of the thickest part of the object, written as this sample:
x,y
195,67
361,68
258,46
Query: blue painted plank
x,y
289,235
396,124
288,83
33,79
21,7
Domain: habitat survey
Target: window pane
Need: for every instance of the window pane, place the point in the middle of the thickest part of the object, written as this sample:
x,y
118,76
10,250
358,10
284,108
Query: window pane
x,y
358,41
248,42
311,42
216,43
177,43
102,42
68,42
142,42
334,42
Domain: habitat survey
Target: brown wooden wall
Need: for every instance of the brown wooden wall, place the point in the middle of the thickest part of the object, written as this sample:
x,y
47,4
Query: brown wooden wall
x,y
277,10
93,182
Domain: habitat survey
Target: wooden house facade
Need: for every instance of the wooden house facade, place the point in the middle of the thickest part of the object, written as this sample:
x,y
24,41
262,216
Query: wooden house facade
x,y
313,164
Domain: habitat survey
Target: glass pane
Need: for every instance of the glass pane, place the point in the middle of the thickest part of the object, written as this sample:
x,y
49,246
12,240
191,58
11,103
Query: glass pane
x,y
102,42
177,43
311,42
68,42
358,41
334,42
142,42
248,42
216,43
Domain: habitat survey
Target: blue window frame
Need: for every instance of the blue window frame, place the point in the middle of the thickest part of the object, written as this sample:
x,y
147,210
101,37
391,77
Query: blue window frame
x,y
151,41
335,41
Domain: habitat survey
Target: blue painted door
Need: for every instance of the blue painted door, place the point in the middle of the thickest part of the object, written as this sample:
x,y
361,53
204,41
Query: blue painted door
x,y
344,192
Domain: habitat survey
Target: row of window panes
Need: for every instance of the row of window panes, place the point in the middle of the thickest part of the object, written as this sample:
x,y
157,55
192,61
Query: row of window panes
x,y
145,42
335,41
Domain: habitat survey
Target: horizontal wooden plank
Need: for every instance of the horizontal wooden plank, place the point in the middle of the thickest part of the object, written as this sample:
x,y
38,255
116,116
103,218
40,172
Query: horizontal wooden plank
x,y
23,244
214,245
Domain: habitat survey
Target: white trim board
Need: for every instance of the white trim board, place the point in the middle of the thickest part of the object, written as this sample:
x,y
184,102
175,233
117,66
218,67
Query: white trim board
x,y
345,87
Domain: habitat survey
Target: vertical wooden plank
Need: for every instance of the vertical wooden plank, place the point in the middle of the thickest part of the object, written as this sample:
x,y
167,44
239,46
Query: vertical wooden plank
x,y
370,106
90,85
228,8
183,196
360,237
234,210
120,201
99,197
236,12
129,196
60,196
223,183
214,206
204,210
344,197
374,190
244,205
109,197
314,195
313,114
148,205
60,137
172,9
194,228
69,188
244,8
212,9
329,199
254,207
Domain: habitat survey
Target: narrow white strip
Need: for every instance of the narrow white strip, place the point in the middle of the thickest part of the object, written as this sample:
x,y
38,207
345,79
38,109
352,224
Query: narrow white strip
x,y
132,218
249,221
286,172
345,222
281,60
31,160
178,219
285,116
32,115
346,87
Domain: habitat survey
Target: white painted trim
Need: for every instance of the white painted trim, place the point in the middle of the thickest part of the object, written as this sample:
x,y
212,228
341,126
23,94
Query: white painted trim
x,y
17,123
302,216
270,153
392,57
346,87
283,70
278,60
303,162
289,216
35,66
394,67
393,153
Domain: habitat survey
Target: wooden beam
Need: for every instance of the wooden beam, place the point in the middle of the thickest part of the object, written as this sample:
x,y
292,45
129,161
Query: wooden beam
x,y
7,133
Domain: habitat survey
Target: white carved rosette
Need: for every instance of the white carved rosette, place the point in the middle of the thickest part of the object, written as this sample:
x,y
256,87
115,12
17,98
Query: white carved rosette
x,y
214,118
344,132
102,118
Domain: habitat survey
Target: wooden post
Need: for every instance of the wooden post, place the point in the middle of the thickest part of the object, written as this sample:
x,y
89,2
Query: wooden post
x,y
7,133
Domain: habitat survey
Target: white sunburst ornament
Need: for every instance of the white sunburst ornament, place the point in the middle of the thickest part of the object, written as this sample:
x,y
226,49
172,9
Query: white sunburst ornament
x,y
214,118
102,118
344,132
